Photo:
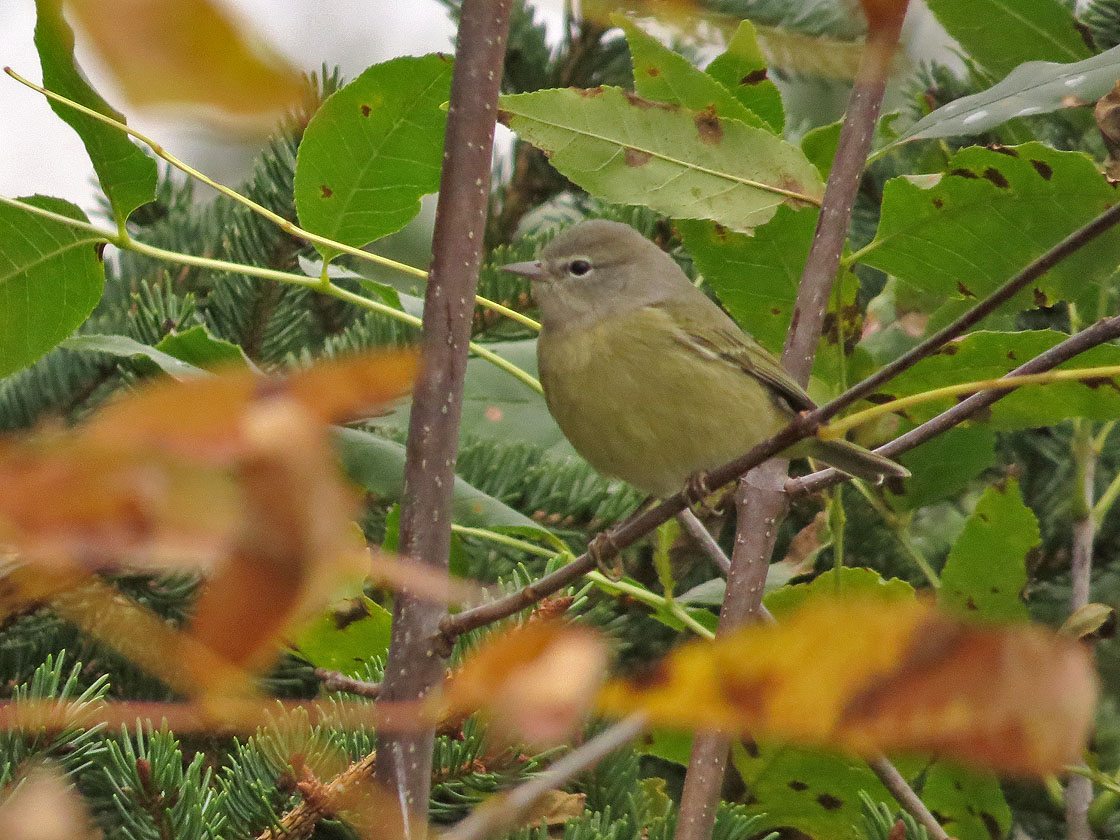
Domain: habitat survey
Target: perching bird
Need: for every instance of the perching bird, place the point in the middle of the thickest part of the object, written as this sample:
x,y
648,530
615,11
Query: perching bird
x,y
648,378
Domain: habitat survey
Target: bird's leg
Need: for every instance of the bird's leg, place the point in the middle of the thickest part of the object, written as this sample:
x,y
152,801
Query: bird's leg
x,y
606,554
697,492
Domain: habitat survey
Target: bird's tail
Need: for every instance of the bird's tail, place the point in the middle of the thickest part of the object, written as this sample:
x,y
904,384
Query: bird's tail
x,y
855,460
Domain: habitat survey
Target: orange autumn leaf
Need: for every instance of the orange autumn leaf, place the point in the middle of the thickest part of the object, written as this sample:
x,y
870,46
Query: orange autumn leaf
x,y
867,676
233,474
187,52
535,683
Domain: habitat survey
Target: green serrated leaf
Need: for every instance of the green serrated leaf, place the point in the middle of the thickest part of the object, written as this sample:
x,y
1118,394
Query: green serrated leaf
x,y
1037,87
372,150
815,792
987,570
127,175
844,581
963,234
129,348
969,804
988,355
664,76
1002,34
51,278
203,350
377,464
686,164
742,70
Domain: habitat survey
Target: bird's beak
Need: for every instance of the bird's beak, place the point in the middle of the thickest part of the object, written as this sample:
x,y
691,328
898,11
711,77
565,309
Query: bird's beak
x,y
531,269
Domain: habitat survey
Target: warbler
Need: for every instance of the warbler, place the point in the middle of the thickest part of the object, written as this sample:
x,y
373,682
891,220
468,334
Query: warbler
x,y
648,378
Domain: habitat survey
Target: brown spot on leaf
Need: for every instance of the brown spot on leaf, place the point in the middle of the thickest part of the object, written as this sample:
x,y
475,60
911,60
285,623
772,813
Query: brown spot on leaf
x,y
1040,298
1095,382
992,825
635,157
938,203
1011,355
775,311
750,745
326,191
588,93
504,117
444,57
970,604
754,77
964,173
1043,168
644,104
997,178
964,290
1003,150
794,784
653,71
829,802
950,350
366,110
709,126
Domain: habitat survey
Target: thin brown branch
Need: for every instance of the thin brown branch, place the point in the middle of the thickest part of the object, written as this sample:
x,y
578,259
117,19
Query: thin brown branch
x,y
502,813
414,667
761,504
338,681
1104,330
911,803
1079,789
701,536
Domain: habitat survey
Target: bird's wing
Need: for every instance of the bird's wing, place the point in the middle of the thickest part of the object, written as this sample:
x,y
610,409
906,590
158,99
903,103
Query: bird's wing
x,y
727,343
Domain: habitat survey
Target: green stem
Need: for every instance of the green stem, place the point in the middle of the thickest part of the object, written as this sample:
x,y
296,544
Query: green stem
x,y
232,194
320,284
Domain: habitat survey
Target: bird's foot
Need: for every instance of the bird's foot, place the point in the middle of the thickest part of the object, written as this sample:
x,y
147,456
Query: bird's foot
x,y
606,554
697,492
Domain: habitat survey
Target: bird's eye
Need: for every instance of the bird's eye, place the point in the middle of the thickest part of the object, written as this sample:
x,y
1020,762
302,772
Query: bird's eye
x,y
579,267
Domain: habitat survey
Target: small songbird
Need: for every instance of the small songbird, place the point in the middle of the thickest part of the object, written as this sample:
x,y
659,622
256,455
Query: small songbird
x,y
648,378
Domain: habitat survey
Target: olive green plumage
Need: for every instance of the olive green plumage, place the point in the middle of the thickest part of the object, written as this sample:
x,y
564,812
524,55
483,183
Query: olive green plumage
x,y
648,378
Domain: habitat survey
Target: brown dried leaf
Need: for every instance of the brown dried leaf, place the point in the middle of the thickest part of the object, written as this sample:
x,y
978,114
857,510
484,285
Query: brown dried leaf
x,y
534,682
901,676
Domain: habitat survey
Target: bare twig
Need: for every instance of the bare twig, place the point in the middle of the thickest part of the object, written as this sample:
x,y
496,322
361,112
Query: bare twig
x,y
894,782
1104,330
1079,789
337,681
761,503
414,666
502,813
300,822
695,529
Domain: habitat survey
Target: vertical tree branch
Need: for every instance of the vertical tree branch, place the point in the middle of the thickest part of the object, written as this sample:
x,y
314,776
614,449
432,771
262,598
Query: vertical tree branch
x,y
414,667
1079,790
761,503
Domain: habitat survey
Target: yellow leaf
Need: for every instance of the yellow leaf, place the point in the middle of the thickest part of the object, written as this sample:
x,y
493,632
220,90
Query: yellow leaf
x,y
870,676
187,52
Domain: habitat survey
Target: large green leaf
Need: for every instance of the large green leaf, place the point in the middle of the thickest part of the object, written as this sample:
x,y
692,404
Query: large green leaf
x,y
1002,34
51,278
686,164
969,804
987,566
963,234
812,791
129,348
377,464
755,277
742,70
664,76
372,150
845,581
127,175
1037,87
988,355
944,466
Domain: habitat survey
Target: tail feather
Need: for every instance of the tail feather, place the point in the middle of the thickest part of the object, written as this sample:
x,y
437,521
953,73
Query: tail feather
x,y
855,460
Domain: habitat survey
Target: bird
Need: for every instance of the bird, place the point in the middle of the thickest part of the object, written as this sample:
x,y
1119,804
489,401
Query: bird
x,y
647,377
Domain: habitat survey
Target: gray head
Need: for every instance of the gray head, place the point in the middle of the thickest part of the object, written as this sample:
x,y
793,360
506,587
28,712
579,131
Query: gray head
x,y
597,268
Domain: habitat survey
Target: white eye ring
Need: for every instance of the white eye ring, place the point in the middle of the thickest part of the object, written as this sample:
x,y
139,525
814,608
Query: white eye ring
x,y
578,268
